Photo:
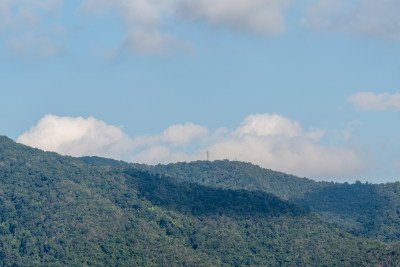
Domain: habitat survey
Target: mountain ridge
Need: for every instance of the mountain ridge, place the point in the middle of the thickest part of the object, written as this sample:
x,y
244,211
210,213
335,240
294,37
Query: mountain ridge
x,y
57,210
364,208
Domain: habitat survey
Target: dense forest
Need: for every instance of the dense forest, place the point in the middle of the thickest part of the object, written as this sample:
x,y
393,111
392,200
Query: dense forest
x,y
368,209
63,211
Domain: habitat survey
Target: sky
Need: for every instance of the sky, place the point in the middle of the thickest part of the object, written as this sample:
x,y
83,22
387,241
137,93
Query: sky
x,y
307,87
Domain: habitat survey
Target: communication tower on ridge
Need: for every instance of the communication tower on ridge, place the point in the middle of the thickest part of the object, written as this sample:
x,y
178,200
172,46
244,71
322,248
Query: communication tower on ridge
x,y
208,156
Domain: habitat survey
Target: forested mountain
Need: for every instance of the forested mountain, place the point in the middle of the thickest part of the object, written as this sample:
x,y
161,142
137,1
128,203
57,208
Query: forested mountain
x,y
368,209
225,174
59,211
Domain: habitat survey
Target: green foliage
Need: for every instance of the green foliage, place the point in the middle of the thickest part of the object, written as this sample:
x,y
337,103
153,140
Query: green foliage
x,y
191,198
104,162
59,211
367,209
236,175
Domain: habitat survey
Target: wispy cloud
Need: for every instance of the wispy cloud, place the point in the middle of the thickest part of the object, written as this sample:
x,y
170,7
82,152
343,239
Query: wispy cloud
x,y
176,135
367,18
25,14
375,102
30,44
269,140
152,41
256,16
24,30
145,20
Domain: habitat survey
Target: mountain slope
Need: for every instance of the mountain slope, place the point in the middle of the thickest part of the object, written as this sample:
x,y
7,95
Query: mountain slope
x,y
367,209
225,174
57,210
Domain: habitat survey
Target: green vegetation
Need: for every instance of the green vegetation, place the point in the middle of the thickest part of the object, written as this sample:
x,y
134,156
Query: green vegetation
x,y
237,175
368,209
59,211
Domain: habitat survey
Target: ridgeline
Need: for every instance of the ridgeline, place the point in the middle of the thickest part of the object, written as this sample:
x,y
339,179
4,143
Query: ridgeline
x,y
64,211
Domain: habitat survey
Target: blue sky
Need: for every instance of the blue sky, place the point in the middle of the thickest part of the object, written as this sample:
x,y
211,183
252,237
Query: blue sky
x,y
307,87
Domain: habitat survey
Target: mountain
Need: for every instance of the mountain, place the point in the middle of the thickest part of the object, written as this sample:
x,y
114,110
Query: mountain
x,y
60,211
225,174
368,209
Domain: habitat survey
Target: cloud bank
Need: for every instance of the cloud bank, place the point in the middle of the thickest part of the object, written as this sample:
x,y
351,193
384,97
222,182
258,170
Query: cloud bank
x,y
77,137
375,102
275,142
269,140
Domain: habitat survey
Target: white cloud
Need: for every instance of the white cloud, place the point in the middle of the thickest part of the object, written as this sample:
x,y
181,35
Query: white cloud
x,y
299,156
375,102
161,154
77,137
184,134
141,12
368,18
175,135
275,142
145,19
23,26
269,140
257,16
26,14
268,125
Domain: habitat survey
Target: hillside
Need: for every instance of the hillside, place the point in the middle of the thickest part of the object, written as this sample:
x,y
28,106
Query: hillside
x,y
225,174
367,209
59,211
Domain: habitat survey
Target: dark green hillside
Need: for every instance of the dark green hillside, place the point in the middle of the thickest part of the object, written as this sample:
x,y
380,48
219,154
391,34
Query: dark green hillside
x,y
225,174
368,209
238,175
58,211
105,162
190,198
